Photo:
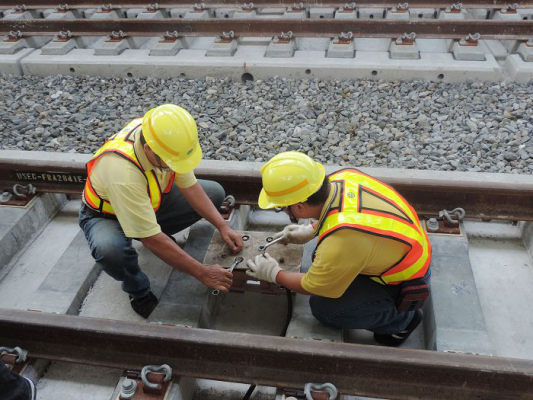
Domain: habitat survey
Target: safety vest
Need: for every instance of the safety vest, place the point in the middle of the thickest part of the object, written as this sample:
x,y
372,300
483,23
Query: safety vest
x,y
122,144
404,227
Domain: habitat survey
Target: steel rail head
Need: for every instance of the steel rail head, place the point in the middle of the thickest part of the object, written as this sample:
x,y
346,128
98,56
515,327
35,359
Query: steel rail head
x,y
267,360
497,196
122,4
330,28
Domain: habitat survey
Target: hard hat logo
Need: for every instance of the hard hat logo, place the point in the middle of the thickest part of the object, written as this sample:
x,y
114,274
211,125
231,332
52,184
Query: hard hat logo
x,y
170,131
289,178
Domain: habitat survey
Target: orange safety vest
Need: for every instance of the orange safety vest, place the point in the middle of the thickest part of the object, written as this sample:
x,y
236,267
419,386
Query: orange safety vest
x,y
122,144
405,228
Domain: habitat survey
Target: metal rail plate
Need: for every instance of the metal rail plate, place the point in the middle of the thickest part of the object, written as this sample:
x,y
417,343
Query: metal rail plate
x,y
266,360
328,28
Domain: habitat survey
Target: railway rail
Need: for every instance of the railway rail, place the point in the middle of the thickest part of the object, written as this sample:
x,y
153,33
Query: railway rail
x,y
281,362
441,29
76,4
486,199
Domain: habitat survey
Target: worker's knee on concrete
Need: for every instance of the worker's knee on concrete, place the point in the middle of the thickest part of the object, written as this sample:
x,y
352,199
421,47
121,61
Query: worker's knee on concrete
x,y
215,191
317,309
110,258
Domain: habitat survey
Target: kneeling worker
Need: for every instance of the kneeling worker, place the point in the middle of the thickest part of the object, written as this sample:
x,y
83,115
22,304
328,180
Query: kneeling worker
x,y
141,184
371,247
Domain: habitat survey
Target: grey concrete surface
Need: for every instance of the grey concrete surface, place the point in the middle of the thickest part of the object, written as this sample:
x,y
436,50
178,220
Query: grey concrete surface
x,y
20,225
183,296
38,260
455,307
65,287
503,270
68,382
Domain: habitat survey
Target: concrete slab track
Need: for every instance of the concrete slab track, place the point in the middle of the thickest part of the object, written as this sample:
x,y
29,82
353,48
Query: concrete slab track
x,y
481,297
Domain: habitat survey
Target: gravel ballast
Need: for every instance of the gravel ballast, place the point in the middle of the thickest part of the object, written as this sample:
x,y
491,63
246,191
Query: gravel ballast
x,y
424,125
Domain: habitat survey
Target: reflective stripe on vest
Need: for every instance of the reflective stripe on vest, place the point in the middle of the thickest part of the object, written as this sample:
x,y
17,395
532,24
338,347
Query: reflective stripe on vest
x,y
405,228
122,145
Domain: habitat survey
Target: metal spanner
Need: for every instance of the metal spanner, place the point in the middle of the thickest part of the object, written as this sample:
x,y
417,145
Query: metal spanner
x,y
236,262
263,247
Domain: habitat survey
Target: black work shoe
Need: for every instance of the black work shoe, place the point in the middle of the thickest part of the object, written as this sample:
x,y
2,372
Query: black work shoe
x,y
144,305
397,339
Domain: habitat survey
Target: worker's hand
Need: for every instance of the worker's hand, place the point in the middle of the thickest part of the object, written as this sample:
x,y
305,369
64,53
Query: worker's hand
x,y
233,239
264,268
296,234
216,277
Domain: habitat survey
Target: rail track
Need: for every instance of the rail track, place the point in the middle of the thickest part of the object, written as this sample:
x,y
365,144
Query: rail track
x,y
76,4
288,362
490,198
430,29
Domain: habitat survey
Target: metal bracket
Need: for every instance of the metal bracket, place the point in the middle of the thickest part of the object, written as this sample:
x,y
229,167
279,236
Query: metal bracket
x,y
455,8
296,7
152,382
21,8
170,37
63,36
348,7
285,37
406,39
22,355
329,388
248,7
5,197
19,190
14,36
129,387
199,7
446,215
152,7
155,368
345,38
470,40
227,207
400,8
116,36
63,8
447,222
227,37
510,9
16,359
106,8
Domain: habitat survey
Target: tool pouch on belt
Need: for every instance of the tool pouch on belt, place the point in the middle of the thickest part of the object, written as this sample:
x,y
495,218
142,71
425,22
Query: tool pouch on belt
x,y
412,295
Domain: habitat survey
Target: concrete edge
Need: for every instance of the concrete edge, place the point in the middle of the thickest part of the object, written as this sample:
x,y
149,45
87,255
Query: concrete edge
x,y
30,226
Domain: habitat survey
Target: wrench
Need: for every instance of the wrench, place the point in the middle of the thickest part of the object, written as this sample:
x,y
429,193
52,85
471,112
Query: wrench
x,y
263,247
236,262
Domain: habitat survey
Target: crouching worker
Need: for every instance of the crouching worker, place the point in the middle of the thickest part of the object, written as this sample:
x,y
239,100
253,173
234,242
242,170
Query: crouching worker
x,y
370,268
141,184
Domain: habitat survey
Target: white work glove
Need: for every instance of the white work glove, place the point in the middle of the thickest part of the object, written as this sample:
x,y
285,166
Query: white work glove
x,y
296,234
264,268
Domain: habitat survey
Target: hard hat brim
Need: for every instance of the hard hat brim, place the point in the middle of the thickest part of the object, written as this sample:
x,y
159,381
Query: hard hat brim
x,y
187,165
266,203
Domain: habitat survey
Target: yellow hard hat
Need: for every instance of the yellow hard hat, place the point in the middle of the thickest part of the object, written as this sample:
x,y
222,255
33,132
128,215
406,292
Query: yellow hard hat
x,y
289,178
171,133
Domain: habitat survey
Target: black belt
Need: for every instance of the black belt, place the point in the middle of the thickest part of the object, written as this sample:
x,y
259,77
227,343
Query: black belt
x,y
96,214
